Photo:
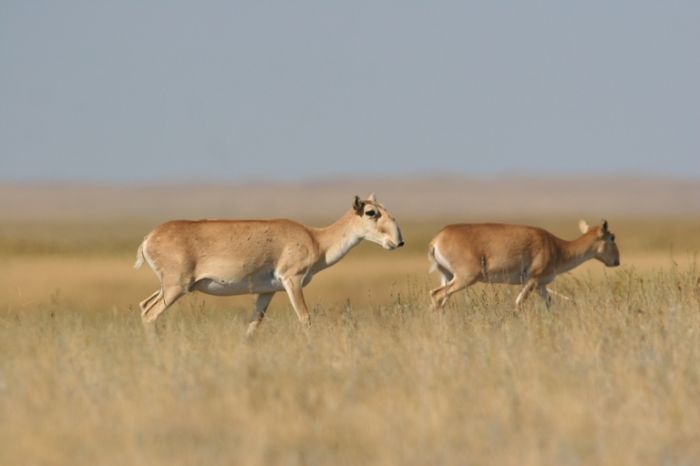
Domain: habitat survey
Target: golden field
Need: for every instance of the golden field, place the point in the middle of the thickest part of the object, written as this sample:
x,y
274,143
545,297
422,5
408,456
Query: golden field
x,y
608,377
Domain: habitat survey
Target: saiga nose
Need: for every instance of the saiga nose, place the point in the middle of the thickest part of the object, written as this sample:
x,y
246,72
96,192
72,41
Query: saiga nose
x,y
401,244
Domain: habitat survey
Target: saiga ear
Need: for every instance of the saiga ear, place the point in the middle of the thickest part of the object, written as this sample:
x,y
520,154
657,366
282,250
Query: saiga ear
x,y
371,198
358,205
583,226
603,228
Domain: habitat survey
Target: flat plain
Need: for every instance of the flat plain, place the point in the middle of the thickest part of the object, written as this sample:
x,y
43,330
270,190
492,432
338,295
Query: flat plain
x,y
609,376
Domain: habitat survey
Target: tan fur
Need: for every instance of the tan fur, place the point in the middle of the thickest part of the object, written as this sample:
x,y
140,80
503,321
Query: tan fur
x,y
498,253
232,257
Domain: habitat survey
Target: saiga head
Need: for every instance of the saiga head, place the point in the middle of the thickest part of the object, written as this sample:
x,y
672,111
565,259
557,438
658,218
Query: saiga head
x,y
376,224
605,248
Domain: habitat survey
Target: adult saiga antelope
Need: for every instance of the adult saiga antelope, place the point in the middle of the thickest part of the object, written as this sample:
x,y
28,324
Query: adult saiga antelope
x,y
233,257
514,254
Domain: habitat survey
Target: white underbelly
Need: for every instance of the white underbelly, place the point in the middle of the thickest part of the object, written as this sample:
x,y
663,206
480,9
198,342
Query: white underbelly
x,y
264,283
514,278
506,277
221,287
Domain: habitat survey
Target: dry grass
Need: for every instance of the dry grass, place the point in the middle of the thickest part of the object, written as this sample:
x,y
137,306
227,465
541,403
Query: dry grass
x,y
610,377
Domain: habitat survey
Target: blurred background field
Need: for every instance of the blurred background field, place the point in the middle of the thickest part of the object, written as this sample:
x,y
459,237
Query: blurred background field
x,y
90,264
78,242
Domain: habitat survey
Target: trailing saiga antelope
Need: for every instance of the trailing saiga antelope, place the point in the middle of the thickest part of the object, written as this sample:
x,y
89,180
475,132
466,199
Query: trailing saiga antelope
x,y
514,254
233,257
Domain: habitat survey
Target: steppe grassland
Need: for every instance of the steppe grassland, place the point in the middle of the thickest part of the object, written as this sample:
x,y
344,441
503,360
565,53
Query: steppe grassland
x,y
610,377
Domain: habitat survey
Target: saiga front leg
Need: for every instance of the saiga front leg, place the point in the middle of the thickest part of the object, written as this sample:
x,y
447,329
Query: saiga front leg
x,y
260,307
292,286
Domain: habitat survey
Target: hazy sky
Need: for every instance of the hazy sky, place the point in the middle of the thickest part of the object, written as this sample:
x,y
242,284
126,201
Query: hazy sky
x,y
136,91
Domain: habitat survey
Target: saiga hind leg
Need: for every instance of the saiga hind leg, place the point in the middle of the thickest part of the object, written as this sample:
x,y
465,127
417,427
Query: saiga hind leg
x,y
440,295
524,293
544,294
161,302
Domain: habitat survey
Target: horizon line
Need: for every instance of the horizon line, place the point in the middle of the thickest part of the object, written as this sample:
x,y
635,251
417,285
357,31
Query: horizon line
x,y
352,177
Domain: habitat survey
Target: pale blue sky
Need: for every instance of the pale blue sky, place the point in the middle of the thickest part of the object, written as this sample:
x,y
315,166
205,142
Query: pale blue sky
x,y
293,90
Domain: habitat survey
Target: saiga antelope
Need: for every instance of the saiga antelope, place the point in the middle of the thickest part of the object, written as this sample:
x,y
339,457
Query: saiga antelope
x,y
233,257
496,253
